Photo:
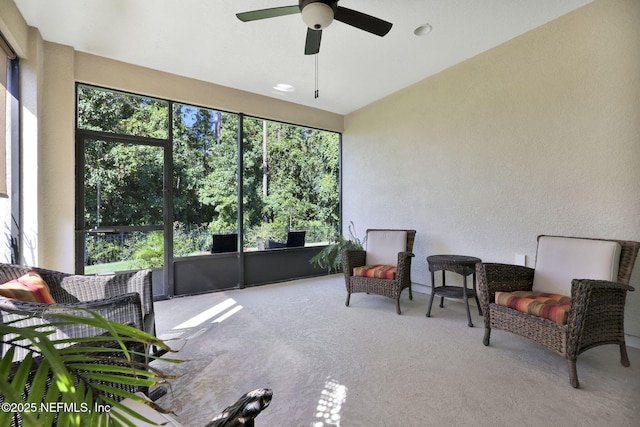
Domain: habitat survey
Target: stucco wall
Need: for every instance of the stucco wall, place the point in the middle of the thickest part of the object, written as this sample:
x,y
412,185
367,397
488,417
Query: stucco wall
x,y
540,135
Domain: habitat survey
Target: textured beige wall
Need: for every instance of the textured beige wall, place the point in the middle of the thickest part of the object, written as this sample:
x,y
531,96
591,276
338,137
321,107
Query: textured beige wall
x,y
540,135
56,160
13,27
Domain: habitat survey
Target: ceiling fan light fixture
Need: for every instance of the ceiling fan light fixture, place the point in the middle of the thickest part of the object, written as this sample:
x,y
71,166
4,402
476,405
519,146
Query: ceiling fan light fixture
x,y
317,16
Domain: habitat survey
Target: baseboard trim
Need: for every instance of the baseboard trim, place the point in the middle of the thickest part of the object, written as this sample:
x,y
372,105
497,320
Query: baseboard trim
x,y
632,341
421,289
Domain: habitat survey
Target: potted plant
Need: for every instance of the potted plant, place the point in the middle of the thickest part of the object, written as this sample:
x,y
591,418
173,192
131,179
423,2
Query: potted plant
x,y
330,257
83,371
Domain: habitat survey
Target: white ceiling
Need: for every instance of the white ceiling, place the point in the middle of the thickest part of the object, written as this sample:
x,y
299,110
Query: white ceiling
x,y
204,40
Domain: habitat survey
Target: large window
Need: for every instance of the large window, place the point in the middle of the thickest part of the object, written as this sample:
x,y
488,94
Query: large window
x,y
7,56
160,175
9,154
290,183
205,169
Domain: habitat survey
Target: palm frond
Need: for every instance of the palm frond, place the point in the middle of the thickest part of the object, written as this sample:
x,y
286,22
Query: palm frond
x,y
77,374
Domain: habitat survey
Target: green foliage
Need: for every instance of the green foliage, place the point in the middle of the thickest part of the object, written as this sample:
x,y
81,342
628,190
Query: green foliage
x,y
319,232
123,184
274,230
204,163
330,257
121,113
99,249
149,253
74,364
302,175
190,241
296,188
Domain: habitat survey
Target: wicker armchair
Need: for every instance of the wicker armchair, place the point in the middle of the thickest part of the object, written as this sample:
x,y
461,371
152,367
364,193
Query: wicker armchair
x,y
384,268
596,305
124,309
124,298
77,289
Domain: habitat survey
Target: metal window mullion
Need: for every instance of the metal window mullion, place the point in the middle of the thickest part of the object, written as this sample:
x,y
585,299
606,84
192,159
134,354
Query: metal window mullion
x,y
80,200
130,139
168,208
240,177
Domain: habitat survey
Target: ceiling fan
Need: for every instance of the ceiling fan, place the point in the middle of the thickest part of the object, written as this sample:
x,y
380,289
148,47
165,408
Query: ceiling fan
x,y
318,14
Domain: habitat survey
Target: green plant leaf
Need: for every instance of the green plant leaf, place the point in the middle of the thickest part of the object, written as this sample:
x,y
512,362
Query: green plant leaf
x,y
120,379
39,383
330,257
11,394
52,395
6,362
115,415
101,367
73,369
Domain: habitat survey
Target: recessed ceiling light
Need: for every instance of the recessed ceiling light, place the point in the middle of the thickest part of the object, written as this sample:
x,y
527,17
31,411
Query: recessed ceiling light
x,y
283,87
423,30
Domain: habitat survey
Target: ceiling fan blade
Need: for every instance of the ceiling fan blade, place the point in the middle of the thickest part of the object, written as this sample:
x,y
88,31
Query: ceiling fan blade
x,y
312,45
255,15
363,21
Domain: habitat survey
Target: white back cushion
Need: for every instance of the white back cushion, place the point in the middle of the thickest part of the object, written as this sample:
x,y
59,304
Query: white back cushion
x,y
561,259
383,246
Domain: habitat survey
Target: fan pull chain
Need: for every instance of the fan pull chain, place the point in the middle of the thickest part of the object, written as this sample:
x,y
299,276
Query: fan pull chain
x,y
317,92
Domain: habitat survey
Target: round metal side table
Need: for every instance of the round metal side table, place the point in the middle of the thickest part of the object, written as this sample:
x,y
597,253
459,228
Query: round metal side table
x,y
461,264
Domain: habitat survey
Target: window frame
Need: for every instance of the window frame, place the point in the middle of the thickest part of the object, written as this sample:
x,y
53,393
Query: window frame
x,y
169,258
10,151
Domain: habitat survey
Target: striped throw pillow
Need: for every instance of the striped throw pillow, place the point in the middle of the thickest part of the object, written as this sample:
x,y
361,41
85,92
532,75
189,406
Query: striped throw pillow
x,y
29,288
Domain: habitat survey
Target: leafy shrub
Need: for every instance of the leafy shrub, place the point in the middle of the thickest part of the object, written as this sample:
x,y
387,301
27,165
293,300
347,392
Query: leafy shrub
x,y
330,257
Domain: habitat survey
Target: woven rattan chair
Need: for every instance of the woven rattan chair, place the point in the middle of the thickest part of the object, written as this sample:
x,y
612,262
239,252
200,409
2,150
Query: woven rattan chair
x,y
596,307
68,288
124,309
385,249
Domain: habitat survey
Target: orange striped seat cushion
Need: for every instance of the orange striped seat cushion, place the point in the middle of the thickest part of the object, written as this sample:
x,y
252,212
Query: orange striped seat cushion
x,y
379,271
549,306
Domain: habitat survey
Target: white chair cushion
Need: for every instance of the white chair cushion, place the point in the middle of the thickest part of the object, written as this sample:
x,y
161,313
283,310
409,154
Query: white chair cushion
x,y
383,246
561,259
